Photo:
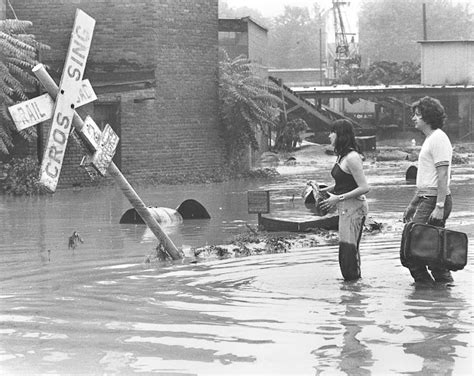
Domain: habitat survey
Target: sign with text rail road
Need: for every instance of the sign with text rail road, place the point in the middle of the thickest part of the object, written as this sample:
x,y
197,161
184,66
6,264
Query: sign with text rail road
x,y
39,109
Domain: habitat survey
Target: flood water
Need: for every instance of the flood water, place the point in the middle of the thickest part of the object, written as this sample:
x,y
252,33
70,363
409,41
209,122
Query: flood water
x,y
100,309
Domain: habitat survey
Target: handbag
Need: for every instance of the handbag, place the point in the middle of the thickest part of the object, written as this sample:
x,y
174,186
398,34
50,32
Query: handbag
x,y
434,246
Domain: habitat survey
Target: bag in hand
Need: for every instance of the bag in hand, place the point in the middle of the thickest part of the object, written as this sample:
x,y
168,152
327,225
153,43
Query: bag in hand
x,y
433,245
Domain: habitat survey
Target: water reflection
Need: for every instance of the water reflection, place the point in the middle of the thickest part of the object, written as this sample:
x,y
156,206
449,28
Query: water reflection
x,y
356,357
434,313
100,309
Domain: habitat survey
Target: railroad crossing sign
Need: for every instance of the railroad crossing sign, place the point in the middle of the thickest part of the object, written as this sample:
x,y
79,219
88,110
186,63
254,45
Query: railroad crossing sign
x,y
39,109
101,145
64,109
73,93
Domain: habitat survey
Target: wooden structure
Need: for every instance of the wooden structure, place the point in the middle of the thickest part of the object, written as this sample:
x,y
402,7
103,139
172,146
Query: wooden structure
x,y
297,222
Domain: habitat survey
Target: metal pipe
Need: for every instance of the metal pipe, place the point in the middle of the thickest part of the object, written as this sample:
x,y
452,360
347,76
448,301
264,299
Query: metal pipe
x,y
425,33
52,89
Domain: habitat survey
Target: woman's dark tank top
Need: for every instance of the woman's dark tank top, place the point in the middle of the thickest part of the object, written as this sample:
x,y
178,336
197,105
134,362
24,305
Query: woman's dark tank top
x,y
344,182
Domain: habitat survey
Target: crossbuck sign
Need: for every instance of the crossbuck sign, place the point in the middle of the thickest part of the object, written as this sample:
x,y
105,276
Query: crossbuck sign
x,y
60,104
73,92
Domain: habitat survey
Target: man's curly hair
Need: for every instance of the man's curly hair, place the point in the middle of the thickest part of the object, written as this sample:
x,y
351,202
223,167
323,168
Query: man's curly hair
x,y
432,111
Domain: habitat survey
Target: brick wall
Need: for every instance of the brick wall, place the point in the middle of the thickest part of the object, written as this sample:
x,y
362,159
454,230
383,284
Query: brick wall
x,y
177,131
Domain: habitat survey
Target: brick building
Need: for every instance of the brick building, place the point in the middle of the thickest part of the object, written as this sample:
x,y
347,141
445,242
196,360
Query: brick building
x,y
154,67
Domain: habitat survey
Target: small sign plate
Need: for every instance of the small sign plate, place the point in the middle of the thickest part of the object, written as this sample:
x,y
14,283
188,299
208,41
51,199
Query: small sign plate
x,y
258,202
102,158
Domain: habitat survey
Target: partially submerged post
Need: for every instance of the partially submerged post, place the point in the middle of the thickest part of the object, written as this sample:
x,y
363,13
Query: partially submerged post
x,y
100,149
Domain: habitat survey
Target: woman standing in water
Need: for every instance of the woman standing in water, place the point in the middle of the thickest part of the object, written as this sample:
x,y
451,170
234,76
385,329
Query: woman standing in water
x,y
348,195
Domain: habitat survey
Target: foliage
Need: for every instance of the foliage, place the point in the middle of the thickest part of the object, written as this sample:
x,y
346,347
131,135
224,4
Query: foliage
x,y
293,38
21,177
225,11
18,55
390,29
246,105
289,134
382,72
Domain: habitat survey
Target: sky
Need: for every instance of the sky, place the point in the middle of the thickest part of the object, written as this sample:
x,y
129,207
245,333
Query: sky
x,y
272,8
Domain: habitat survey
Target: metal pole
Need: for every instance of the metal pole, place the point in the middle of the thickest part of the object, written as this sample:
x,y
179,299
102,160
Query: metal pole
x,y
320,57
52,89
425,34
3,9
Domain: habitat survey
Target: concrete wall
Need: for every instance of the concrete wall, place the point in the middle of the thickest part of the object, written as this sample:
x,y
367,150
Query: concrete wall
x,y
175,130
447,62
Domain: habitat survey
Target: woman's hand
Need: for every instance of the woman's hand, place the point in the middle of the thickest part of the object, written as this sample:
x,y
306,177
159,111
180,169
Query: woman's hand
x,y
330,202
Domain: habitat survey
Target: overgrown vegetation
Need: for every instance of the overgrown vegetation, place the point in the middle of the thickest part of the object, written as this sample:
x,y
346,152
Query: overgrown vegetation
x,y
20,177
247,105
18,55
289,134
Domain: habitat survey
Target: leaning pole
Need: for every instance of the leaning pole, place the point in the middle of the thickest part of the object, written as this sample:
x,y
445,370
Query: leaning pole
x,y
40,72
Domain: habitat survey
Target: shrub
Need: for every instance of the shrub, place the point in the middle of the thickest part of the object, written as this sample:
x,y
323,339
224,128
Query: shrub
x,y
21,177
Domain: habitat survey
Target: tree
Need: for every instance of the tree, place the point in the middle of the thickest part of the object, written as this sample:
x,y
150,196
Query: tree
x,y
247,105
227,12
18,55
294,38
390,29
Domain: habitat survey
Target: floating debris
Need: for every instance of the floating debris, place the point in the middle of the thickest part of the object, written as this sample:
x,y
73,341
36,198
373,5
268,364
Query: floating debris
x,y
74,240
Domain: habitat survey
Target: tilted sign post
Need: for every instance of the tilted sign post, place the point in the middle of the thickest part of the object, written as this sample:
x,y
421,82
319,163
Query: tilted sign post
x,y
101,145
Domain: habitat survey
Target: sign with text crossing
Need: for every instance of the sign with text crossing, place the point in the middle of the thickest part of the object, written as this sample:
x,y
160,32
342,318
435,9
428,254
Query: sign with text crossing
x,y
39,109
64,109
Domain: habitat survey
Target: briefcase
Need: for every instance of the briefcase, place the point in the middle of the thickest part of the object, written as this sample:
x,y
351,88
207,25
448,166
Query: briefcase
x,y
434,246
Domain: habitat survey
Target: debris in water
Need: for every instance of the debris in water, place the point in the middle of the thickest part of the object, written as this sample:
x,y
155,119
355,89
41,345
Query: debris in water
x,y
74,240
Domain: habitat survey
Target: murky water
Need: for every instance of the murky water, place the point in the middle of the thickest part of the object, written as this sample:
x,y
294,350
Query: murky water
x,y
101,310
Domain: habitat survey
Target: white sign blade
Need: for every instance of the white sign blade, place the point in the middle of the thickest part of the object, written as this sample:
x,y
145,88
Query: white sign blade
x,y
39,109
69,86
34,111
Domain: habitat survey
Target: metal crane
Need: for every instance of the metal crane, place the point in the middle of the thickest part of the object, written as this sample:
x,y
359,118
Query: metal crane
x,y
345,54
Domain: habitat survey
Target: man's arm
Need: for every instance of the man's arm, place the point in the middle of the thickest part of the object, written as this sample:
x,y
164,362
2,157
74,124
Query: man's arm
x,y
442,171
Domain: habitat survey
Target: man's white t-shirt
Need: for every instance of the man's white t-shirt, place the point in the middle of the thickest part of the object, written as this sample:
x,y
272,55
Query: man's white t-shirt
x,y
436,151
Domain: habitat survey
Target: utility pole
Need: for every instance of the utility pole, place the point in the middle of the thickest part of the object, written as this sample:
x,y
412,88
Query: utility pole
x,y
320,57
425,33
3,10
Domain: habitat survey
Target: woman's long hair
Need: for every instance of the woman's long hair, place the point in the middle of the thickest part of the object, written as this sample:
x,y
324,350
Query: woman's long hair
x,y
345,138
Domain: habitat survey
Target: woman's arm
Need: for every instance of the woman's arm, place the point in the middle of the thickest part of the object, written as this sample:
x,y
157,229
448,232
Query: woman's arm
x,y
355,166
328,189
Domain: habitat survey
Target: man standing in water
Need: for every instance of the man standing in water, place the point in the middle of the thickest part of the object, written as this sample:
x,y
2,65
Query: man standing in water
x,y
432,202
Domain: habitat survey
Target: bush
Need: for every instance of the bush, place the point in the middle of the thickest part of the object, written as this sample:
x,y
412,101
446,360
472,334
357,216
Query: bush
x,y
21,177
